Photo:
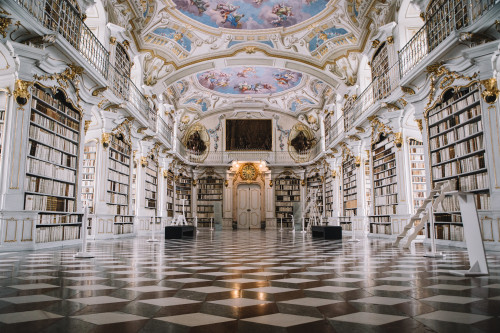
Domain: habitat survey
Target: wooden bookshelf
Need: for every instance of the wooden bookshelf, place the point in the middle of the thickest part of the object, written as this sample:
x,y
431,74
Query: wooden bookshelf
x,y
314,182
456,143
88,176
209,191
151,183
417,173
329,196
170,193
349,187
384,185
286,192
183,191
52,166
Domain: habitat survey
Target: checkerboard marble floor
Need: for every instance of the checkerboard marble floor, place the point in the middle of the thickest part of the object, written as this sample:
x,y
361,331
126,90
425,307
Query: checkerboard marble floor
x,y
245,281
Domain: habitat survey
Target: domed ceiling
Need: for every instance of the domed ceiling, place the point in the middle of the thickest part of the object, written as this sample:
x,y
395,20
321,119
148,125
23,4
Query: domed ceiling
x,y
250,14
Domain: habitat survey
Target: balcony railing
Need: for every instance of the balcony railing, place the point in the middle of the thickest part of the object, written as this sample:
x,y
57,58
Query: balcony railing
x,y
61,17
165,130
452,15
226,157
378,89
335,131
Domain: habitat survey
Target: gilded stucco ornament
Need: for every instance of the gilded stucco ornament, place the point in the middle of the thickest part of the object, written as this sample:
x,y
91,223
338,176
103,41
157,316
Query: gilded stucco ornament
x,y
390,40
419,124
144,161
96,92
375,43
357,161
438,70
87,125
105,139
491,92
398,139
21,92
5,22
408,90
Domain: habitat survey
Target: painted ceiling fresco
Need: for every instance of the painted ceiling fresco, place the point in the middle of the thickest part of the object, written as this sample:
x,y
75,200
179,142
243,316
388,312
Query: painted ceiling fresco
x,y
250,14
249,80
324,35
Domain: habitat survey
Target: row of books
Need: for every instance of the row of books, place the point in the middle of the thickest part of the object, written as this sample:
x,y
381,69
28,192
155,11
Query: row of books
x,y
89,161
205,192
119,210
449,232
150,194
48,203
385,181
205,203
350,212
54,102
349,192
380,219
284,203
118,177
205,209
287,188
49,186
54,126
151,179
469,129
477,181
56,234
469,146
384,167
117,187
212,197
58,115
116,166
119,145
56,219
116,156
388,189
384,160
50,170
51,140
453,105
51,155
385,174
120,229
116,198
384,229
385,210
472,163
150,187
455,121
442,140
287,182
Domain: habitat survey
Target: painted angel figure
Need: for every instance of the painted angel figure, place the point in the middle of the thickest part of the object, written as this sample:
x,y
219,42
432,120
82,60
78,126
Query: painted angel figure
x,y
201,5
283,12
229,14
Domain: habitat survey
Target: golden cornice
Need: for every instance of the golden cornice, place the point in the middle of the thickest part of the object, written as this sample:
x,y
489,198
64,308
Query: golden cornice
x,y
98,91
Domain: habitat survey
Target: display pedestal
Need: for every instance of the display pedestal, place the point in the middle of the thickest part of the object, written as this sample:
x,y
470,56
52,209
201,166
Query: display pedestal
x,y
327,232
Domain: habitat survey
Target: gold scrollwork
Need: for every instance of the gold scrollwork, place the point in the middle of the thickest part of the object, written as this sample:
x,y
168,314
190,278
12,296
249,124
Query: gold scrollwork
x,y
144,161
99,91
375,43
87,125
491,92
357,161
419,124
21,91
5,22
398,139
270,183
408,90
105,139
390,40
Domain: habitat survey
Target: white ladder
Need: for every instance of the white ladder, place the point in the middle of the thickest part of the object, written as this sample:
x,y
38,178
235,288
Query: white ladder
x,y
422,212
312,208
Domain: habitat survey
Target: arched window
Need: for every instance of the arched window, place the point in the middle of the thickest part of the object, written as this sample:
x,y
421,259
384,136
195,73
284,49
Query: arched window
x,y
380,71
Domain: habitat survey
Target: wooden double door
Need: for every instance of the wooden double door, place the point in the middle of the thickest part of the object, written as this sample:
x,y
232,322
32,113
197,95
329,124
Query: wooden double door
x,y
248,198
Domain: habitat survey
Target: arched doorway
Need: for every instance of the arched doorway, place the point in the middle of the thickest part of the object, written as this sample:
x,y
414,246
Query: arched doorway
x,y
248,200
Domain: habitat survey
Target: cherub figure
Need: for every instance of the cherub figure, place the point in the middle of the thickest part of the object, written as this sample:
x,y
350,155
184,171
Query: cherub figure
x,y
283,12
